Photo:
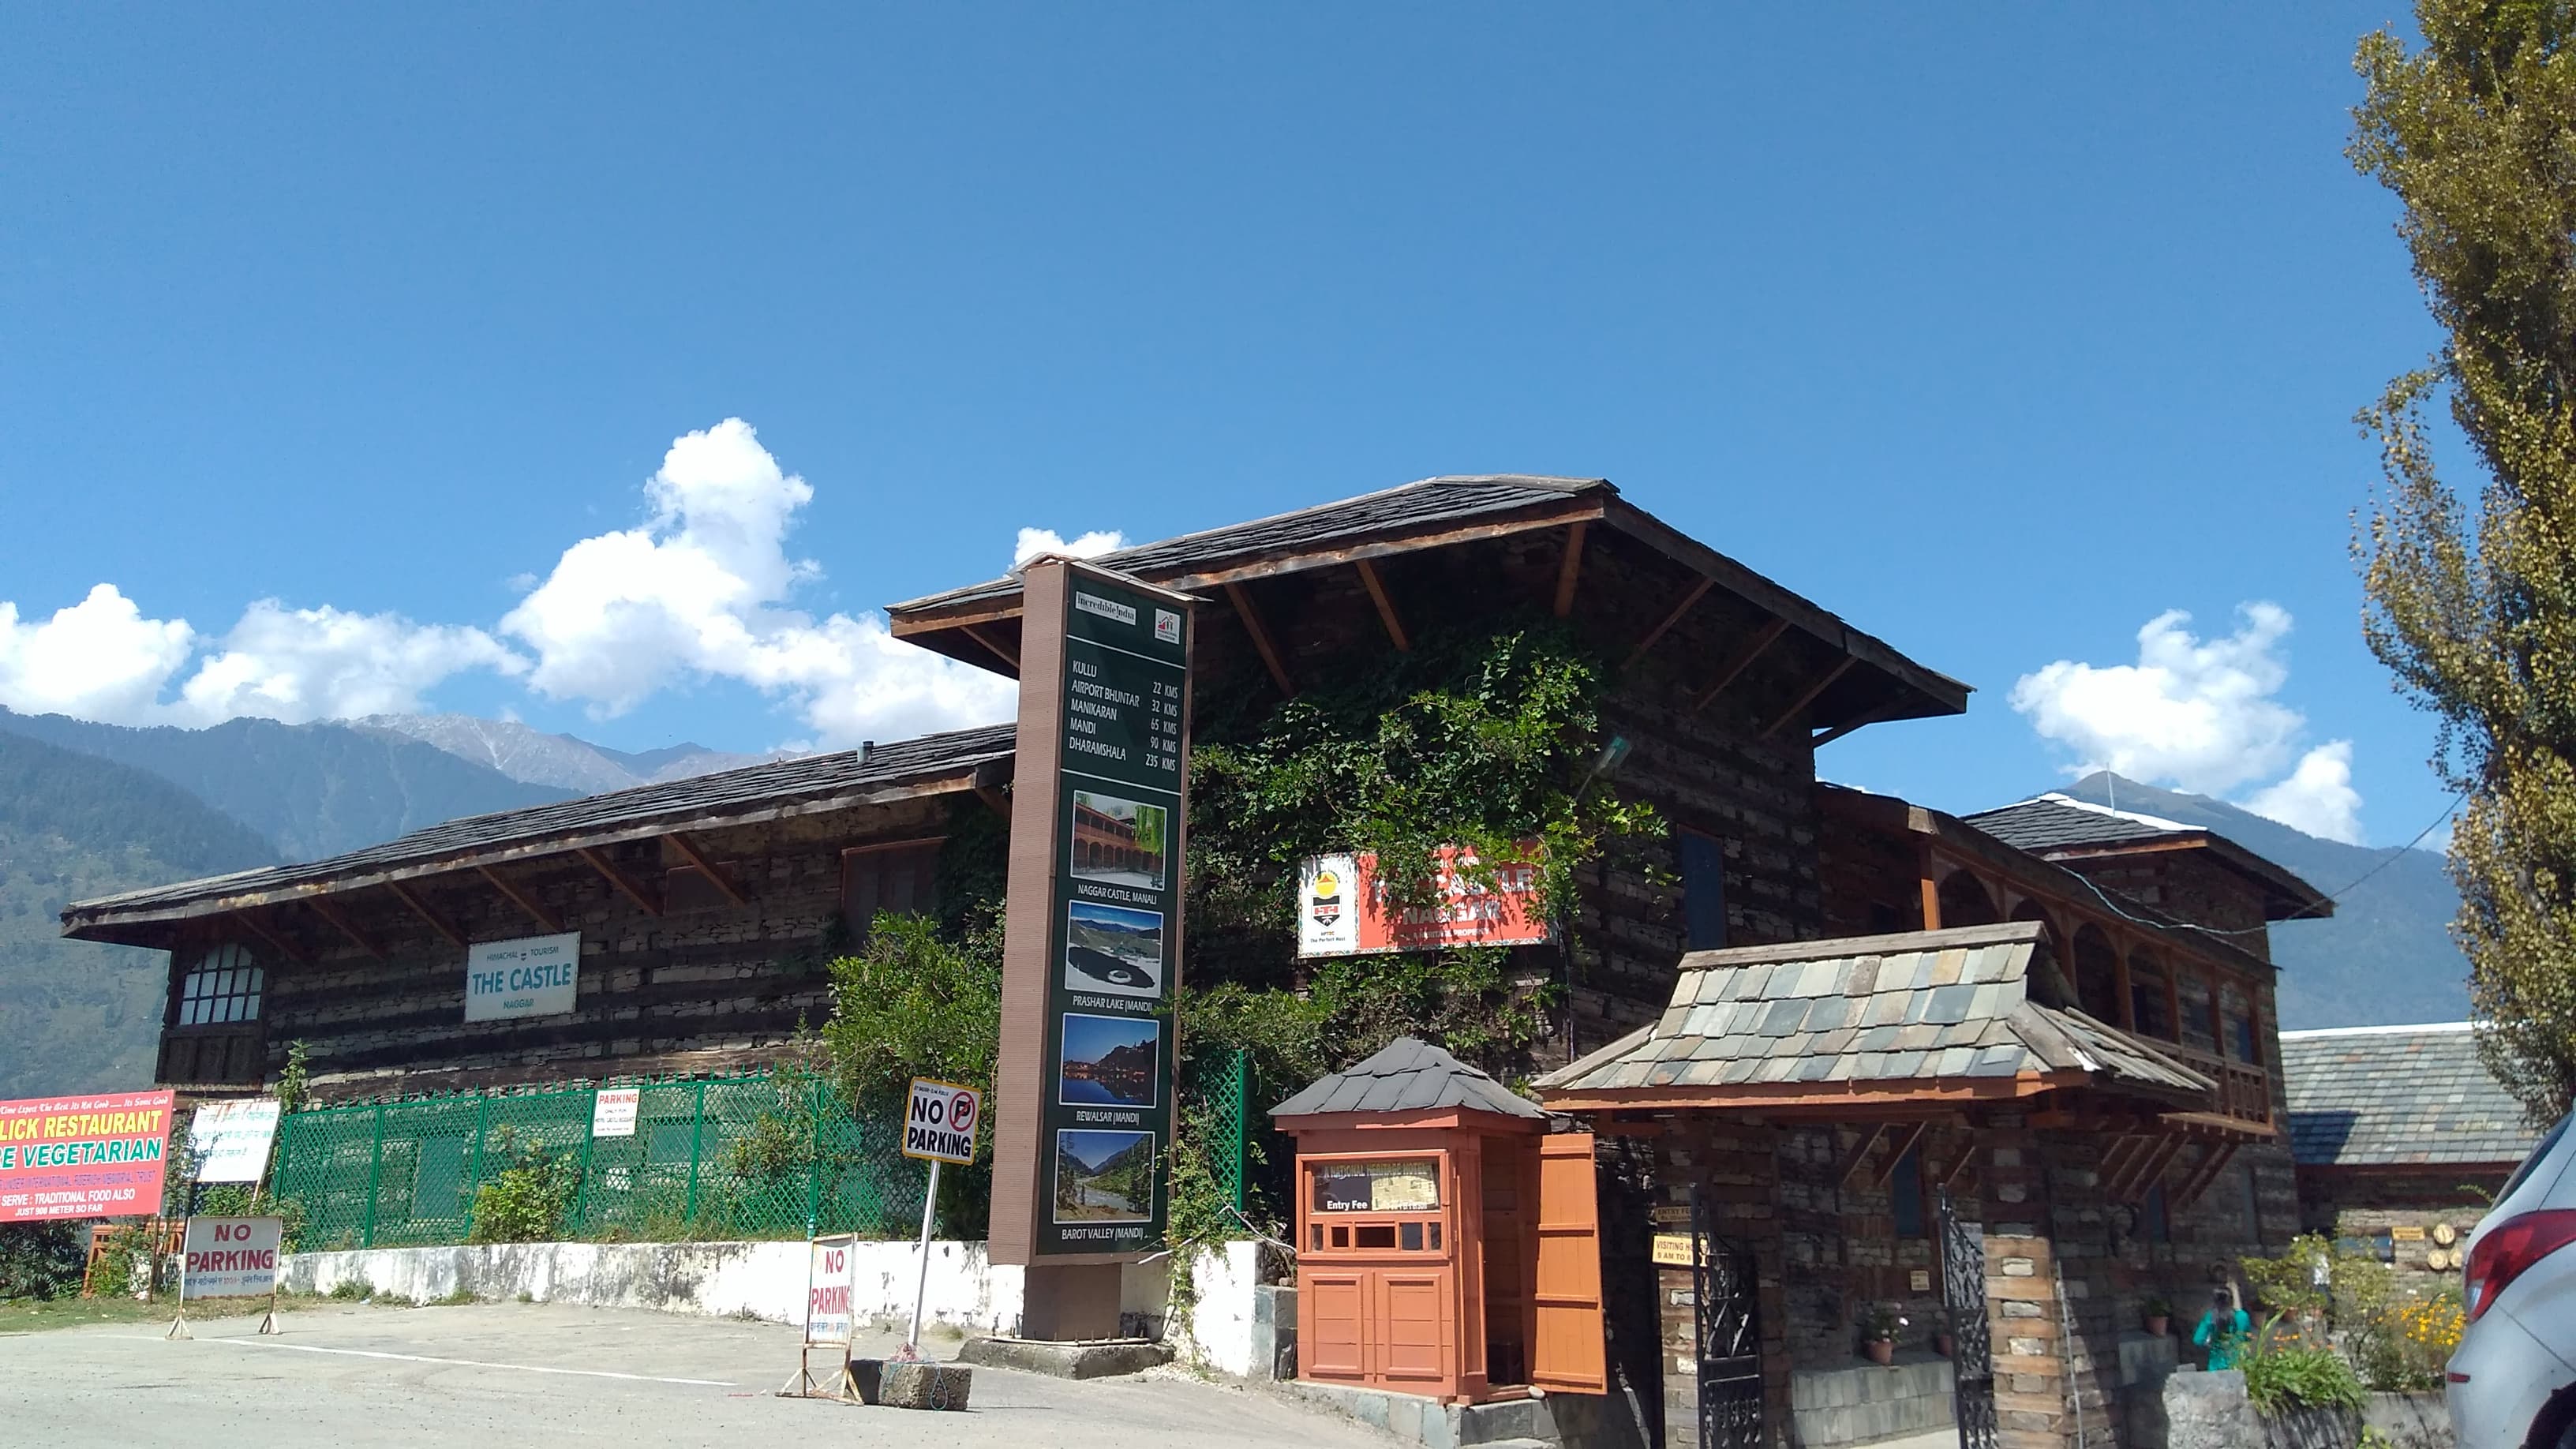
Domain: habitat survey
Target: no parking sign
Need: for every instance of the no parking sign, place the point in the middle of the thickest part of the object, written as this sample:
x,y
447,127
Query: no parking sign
x,y
939,1126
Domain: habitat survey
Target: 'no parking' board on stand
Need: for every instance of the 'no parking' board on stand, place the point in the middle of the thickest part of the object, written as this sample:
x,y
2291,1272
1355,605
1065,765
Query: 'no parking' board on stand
x,y
940,1124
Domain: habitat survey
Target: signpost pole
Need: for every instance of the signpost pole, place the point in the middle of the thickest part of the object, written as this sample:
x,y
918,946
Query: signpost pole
x,y
921,1290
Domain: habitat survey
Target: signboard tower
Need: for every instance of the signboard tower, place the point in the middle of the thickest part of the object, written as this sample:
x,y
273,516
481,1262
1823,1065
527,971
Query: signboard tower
x,y
1091,941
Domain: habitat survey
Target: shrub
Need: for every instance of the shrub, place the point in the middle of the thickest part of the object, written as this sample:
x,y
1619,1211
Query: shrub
x,y
42,1260
526,1200
353,1290
2282,1375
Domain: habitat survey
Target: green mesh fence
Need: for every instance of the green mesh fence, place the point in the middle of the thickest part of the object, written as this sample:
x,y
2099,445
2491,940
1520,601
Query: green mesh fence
x,y
728,1158
1219,1086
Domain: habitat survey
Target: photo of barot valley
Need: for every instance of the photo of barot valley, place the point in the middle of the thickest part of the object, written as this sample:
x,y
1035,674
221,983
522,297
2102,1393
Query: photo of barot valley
x,y
1113,949
1109,1061
1104,1177
1119,842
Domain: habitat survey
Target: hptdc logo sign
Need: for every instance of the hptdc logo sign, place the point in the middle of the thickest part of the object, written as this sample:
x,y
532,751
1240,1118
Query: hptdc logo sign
x,y
939,1125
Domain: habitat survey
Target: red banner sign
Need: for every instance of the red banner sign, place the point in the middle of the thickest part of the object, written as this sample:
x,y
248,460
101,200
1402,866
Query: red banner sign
x,y
99,1156
1343,910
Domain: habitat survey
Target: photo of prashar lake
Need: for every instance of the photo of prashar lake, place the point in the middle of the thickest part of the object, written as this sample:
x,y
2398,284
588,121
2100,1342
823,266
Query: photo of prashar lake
x,y
1109,1061
1113,949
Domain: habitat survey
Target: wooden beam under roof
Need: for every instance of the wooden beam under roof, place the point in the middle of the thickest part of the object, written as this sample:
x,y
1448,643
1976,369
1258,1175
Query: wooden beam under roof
x,y
632,889
1904,1145
1960,1164
2200,1179
1693,595
535,908
1859,1154
1571,570
274,938
1261,644
1799,709
1385,606
986,635
714,873
1869,716
420,908
340,922
1734,668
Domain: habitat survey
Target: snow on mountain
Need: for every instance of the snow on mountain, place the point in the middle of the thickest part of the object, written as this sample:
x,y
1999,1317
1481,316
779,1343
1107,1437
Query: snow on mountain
x,y
538,758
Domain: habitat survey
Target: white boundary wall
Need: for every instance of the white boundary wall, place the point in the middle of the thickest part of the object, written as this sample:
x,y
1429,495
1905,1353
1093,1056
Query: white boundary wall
x,y
767,1280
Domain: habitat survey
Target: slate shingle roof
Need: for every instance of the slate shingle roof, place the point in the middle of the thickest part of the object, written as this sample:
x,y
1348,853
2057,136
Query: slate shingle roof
x,y
1410,1075
779,786
2390,1096
1411,507
1924,1006
2054,820
2053,825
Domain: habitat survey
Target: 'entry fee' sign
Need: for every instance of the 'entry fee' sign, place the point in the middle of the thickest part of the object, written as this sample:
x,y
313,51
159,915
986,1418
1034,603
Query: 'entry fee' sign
x,y
939,1125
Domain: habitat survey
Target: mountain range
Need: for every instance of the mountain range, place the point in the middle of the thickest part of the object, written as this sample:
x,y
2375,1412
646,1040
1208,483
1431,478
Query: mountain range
x,y
91,809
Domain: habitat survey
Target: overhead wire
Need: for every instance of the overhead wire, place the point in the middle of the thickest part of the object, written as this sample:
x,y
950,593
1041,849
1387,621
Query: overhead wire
x,y
2331,898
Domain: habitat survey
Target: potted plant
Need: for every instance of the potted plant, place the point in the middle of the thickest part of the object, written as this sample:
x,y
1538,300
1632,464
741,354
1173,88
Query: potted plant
x,y
2159,1316
1878,1325
1943,1340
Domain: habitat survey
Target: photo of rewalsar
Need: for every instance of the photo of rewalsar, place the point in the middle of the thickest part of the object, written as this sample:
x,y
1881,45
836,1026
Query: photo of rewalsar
x,y
1109,1061
1104,1177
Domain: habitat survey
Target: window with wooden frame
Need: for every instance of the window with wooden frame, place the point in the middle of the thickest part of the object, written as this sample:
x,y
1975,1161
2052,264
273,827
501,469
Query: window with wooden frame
x,y
211,1033
2244,1042
221,987
1703,872
1905,1193
2153,1013
2199,1028
901,876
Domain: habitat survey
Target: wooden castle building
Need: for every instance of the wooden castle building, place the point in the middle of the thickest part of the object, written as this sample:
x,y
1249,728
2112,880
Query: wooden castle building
x,y
1839,1008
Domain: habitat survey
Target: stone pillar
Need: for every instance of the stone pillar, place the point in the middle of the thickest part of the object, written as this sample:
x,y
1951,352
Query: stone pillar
x,y
2030,1372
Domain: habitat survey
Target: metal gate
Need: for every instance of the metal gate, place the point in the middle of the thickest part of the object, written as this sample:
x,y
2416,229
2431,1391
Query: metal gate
x,y
1726,1298
1972,1356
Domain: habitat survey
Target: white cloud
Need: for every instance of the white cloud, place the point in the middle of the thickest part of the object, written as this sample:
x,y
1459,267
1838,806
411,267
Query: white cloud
x,y
2200,715
701,591
2317,797
2197,713
1035,541
326,663
99,659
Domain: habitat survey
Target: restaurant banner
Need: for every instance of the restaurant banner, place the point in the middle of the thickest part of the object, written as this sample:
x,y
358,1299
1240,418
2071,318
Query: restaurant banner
x,y
1343,909
101,1155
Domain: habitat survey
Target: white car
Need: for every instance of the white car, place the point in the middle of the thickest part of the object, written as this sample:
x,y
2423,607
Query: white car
x,y
2512,1382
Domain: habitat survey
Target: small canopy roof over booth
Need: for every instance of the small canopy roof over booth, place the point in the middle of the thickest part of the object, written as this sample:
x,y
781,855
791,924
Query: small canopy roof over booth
x,y
1409,1075
1975,1013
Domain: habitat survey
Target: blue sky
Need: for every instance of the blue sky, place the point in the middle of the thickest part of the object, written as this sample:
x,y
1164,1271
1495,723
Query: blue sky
x,y
2001,331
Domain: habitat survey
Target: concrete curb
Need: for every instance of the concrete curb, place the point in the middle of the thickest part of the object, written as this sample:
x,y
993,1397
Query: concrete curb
x,y
1097,1359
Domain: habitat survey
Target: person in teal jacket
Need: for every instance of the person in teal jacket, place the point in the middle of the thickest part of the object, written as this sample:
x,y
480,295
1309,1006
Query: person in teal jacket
x,y
2223,1329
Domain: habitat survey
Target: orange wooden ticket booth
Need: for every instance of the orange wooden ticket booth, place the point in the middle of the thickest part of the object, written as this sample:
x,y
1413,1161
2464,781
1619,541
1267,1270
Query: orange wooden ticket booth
x,y
1448,1244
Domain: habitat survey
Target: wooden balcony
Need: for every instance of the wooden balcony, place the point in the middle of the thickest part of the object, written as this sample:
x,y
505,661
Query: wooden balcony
x,y
2244,1091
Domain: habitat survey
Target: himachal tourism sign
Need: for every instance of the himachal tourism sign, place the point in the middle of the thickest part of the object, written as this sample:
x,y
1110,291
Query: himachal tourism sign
x,y
1343,907
1092,940
101,1155
527,976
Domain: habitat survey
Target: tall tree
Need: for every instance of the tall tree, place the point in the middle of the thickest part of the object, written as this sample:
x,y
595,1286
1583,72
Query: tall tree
x,y
2472,602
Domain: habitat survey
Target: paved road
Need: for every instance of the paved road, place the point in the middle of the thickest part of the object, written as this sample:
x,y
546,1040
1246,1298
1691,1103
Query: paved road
x,y
507,1374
